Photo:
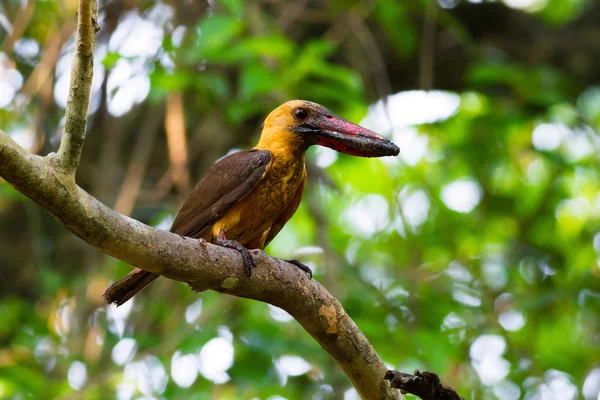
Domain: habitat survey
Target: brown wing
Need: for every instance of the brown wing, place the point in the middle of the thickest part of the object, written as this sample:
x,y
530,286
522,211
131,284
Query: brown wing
x,y
287,213
225,183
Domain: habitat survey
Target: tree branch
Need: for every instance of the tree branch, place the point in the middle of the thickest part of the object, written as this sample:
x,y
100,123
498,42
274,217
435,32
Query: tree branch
x,y
426,385
50,183
78,101
199,264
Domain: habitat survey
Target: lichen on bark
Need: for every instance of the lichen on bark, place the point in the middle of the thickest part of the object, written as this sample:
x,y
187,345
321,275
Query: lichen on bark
x,y
69,152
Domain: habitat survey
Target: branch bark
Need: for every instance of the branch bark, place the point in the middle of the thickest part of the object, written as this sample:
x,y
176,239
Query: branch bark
x,y
69,152
426,385
49,181
199,264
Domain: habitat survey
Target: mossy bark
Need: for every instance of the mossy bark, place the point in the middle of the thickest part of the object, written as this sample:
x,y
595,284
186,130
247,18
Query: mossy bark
x,y
78,101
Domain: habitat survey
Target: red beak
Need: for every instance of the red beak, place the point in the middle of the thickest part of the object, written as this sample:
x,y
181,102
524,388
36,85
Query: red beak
x,y
318,125
344,136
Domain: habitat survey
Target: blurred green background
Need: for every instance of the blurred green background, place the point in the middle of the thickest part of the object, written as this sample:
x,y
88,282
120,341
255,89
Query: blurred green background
x,y
475,254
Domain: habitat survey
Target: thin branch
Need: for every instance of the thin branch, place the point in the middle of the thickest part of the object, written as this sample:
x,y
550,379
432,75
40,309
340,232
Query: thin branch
x,y
19,26
71,145
177,142
426,53
374,55
290,14
200,145
426,385
200,264
44,68
338,30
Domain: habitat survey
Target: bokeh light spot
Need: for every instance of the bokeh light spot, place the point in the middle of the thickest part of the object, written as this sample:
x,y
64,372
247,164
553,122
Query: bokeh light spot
x,y
462,195
215,358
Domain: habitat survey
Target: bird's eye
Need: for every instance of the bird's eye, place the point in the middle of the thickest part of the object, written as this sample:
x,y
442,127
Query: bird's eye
x,y
300,114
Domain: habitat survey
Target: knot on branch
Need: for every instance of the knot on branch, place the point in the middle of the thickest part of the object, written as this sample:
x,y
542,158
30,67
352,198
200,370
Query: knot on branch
x,y
426,385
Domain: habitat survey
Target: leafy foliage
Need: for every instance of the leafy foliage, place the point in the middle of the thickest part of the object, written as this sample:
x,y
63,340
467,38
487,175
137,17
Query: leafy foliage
x,y
475,254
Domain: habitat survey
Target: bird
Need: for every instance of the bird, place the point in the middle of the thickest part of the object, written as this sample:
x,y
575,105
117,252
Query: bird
x,y
245,199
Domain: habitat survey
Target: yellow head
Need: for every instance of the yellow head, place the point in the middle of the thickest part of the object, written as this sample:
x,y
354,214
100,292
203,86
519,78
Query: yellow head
x,y
277,135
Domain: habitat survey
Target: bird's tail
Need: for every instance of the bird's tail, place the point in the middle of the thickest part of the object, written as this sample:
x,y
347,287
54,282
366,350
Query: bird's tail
x,y
124,289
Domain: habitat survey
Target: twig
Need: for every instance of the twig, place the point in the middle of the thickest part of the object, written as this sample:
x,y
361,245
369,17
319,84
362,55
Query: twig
x,y
200,146
291,14
177,143
19,26
330,258
338,31
374,55
426,385
43,69
71,145
426,52
316,174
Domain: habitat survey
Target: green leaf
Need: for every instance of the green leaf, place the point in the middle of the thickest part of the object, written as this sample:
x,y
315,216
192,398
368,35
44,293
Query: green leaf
x,y
256,79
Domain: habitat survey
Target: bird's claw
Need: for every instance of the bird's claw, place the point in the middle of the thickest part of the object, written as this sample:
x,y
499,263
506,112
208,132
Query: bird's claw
x,y
303,267
246,257
248,261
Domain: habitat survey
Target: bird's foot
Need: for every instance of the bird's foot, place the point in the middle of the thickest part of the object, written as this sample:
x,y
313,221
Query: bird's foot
x,y
234,244
303,267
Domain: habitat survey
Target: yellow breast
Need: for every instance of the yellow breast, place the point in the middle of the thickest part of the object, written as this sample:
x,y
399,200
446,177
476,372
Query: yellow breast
x,y
250,219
